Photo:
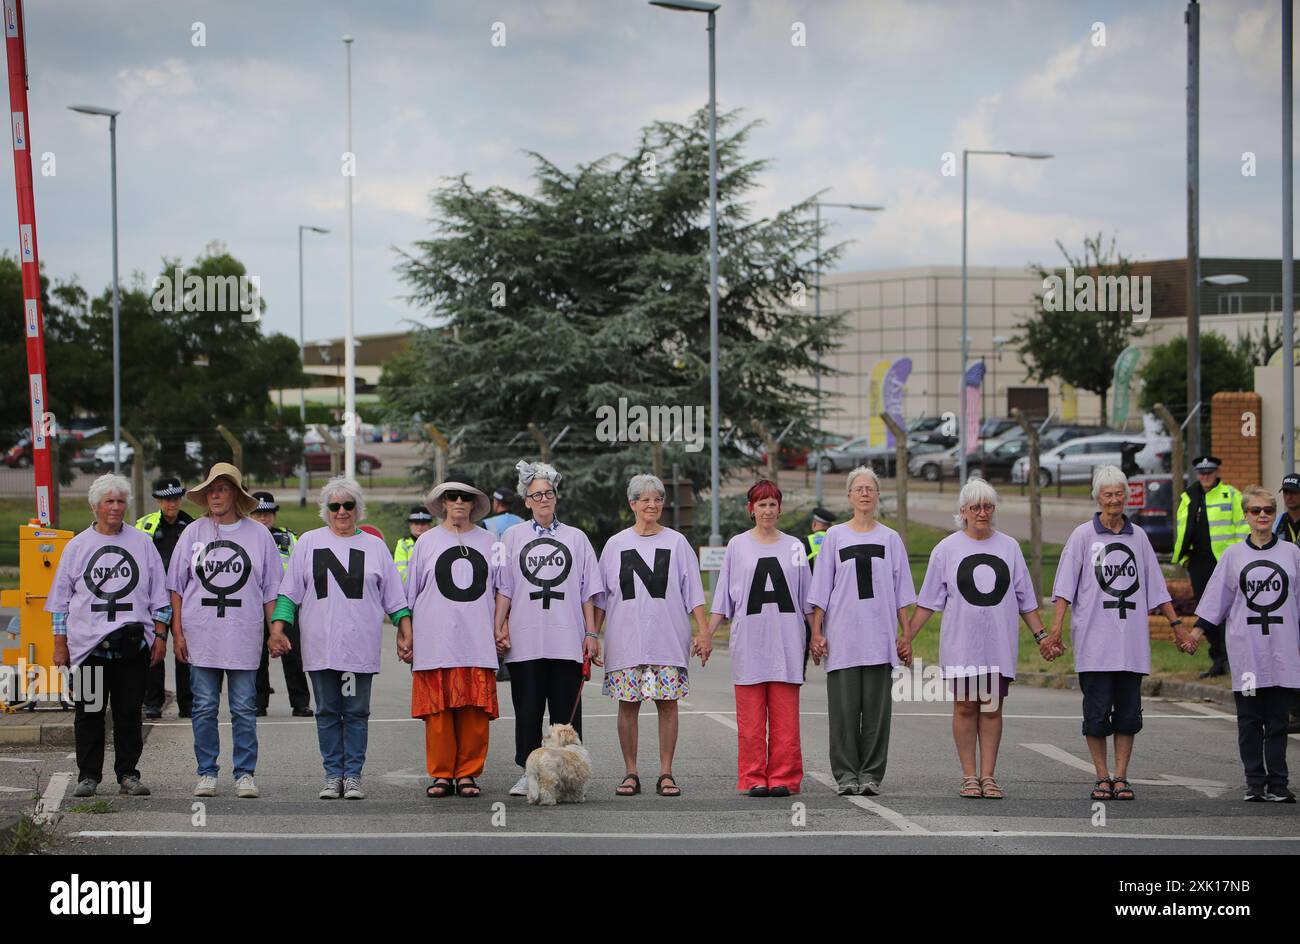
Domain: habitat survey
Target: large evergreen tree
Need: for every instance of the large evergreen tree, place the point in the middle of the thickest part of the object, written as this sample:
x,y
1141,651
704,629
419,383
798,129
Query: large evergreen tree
x,y
544,308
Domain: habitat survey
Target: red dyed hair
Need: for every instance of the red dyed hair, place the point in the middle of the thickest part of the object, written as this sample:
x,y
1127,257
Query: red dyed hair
x,y
760,491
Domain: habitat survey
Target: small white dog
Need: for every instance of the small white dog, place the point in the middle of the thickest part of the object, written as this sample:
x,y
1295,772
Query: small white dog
x,y
558,771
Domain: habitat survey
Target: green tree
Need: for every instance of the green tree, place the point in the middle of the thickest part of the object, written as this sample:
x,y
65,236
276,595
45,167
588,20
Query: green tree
x,y
1079,347
545,308
1164,374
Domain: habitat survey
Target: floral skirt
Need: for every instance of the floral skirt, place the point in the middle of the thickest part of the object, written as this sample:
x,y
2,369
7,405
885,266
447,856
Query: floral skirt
x,y
647,683
434,691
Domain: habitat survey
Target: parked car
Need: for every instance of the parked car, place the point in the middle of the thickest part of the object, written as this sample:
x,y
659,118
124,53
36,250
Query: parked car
x,y
880,459
1074,461
1150,507
994,428
933,465
994,462
318,459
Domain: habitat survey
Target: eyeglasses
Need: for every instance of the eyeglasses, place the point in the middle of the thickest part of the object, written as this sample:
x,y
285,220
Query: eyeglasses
x,y
1261,510
542,496
458,496
986,508
652,499
346,506
863,490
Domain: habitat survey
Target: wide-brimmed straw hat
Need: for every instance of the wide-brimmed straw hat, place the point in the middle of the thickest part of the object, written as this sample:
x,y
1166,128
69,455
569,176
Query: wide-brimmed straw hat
x,y
437,506
199,493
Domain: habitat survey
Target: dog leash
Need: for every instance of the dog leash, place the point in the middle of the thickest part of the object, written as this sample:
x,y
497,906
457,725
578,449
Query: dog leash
x,y
586,677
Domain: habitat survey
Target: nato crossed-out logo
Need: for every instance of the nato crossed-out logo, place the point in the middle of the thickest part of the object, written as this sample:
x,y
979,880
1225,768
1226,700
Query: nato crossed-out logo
x,y
1264,587
110,575
545,563
1116,570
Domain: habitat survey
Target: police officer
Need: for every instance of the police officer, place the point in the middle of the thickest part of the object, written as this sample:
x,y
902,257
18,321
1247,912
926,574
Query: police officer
x,y
419,521
502,516
1210,520
165,526
821,520
1288,528
294,677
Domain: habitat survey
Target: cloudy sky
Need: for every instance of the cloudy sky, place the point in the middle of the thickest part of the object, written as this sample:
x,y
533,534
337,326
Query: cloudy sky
x,y
239,140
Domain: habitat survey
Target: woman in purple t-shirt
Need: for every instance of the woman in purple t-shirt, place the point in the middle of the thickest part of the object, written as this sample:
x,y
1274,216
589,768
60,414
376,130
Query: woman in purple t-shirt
x,y
762,589
651,577
978,578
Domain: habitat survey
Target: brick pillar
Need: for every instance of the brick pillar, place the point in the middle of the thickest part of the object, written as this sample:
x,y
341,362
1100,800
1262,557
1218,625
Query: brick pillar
x,y
1231,413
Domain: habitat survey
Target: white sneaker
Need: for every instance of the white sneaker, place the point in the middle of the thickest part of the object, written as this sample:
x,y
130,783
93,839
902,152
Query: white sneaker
x,y
206,787
246,788
352,789
333,789
520,789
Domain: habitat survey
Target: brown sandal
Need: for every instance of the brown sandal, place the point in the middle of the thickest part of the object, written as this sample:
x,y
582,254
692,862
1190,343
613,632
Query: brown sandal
x,y
1104,790
970,788
664,791
990,790
630,786
441,787
468,788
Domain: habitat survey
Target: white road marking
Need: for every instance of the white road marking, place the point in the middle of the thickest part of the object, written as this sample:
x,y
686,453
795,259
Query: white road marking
x,y
1211,788
1206,710
52,798
705,837
18,760
904,824
15,790
722,719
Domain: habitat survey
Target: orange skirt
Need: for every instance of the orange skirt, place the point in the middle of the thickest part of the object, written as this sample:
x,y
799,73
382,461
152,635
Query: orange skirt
x,y
434,691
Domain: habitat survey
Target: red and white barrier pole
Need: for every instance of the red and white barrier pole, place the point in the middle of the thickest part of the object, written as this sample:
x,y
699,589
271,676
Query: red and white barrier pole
x,y
44,433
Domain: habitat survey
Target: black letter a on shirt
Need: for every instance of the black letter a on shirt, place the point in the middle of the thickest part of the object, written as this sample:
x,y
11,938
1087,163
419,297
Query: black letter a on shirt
x,y
350,581
768,570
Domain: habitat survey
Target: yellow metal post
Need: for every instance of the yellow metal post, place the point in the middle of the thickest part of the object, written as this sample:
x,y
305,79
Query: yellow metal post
x,y
39,550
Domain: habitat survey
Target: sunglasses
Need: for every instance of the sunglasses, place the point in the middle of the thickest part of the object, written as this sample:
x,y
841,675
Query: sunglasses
x,y
1261,510
346,506
458,496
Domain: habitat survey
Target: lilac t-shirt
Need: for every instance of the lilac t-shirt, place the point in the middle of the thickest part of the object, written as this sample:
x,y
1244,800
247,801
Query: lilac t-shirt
x,y
982,587
1254,593
225,576
344,587
547,579
1112,581
763,590
104,582
861,582
652,583
451,587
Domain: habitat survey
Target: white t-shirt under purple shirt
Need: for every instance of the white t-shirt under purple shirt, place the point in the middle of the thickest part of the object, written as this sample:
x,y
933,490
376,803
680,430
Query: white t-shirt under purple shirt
x,y
547,578
861,581
763,590
225,575
982,587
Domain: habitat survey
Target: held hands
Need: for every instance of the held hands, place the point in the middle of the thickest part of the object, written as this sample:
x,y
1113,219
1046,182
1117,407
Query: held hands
x,y
904,651
702,646
817,647
1187,642
1051,648
277,645
591,649
503,639
405,646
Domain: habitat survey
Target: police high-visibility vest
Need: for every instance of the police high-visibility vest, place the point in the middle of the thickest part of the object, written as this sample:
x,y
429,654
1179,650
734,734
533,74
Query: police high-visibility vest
x,y
285,540
1223,514
815,543
149,523
402,555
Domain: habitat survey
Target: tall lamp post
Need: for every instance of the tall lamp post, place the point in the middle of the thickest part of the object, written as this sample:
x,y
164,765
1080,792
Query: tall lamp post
x,y
349,352
866,207
697,6
117,301
302,353
963,446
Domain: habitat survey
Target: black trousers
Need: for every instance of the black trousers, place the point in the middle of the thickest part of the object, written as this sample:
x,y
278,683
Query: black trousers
x,y
1200,571
543,684
155,693
1261,734
101,684
294,677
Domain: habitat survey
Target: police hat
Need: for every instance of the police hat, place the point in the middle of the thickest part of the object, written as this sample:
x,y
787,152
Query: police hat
x,y
168,487
1291,483
265,502
1206,463
823,514
419,514
503,494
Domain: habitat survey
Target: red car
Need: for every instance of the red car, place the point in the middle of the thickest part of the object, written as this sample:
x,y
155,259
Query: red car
x,y
318,459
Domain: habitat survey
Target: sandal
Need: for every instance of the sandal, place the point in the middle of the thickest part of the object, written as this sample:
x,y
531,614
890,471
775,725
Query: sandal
x,y
1122,793
441,787
970,788
1104,790
630,786
672,790
467,787
990,790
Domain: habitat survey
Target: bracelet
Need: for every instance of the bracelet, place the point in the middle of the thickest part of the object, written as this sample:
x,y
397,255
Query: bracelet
x,y
1176,621
590,635
1040,636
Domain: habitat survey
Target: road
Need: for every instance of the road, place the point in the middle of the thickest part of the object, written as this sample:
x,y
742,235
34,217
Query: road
x,y
1189,787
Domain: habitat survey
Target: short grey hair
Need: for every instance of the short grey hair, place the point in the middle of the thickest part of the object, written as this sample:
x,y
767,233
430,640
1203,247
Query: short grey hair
x,y
976,491
341,485
643,482
529,472
858,473
106,485
1105,475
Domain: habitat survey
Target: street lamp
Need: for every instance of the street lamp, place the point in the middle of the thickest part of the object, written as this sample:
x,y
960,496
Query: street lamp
x,y
349,352
111,115
961,432
865,207
696,6
302,353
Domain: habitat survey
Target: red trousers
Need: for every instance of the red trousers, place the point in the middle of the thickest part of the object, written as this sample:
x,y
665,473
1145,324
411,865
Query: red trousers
x,y
767,723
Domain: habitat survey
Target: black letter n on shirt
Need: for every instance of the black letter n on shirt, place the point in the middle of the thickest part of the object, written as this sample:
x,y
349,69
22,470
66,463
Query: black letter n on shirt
x,y
351,581
656,581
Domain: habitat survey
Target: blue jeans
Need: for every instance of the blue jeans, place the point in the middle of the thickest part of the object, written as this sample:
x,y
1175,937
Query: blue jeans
x,y
342,719
206,685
